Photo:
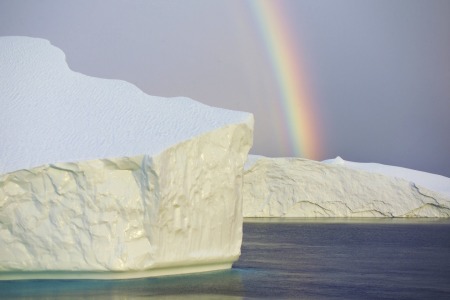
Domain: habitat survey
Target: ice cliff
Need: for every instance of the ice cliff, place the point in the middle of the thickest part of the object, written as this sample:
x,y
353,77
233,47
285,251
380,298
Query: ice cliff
x,y
100,180
294,187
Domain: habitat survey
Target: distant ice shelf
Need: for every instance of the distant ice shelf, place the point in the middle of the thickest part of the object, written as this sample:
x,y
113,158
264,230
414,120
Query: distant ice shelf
x,y
434,182
99,180
294,187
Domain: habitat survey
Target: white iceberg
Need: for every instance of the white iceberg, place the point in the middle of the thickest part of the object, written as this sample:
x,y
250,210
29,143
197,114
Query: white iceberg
x,y
430,181
99,180
295,187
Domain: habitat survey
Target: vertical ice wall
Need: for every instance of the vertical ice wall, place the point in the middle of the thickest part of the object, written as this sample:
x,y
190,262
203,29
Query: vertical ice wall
x,y
294,187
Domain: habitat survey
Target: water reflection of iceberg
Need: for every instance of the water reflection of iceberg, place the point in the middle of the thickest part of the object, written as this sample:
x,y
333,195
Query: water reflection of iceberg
x,y
225,284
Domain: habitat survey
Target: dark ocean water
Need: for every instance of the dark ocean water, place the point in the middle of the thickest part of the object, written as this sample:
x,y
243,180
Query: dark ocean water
x,y
297,259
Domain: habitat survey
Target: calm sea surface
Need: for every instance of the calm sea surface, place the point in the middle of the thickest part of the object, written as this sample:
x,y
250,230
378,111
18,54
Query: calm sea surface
x,y
297,259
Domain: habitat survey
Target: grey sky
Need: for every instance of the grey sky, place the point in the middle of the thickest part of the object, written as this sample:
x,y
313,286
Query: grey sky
x,y
379,70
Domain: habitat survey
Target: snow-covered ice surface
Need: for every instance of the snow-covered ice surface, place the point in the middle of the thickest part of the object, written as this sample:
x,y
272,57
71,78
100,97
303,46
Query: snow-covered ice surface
x,y
294,187
51,114
100,180
433,182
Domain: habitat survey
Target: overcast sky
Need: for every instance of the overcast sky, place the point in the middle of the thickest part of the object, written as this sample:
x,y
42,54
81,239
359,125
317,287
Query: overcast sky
x,y
378,71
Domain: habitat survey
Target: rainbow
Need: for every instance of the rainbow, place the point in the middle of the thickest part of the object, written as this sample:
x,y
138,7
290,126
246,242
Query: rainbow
x,y
297,107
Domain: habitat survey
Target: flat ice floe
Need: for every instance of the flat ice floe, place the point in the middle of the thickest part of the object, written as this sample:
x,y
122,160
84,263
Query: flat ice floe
x,y
294,187
100,180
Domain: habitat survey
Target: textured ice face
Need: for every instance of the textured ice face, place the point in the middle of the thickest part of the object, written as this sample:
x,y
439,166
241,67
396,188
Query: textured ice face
x,y
160,194
50,114
434,182
293,187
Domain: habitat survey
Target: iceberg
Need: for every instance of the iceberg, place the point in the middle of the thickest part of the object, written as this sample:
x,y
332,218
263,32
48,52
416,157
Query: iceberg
x,y
99,180
295,187
432,182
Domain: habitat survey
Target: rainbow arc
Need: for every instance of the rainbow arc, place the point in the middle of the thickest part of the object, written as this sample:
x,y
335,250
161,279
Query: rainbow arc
x,y
297,106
